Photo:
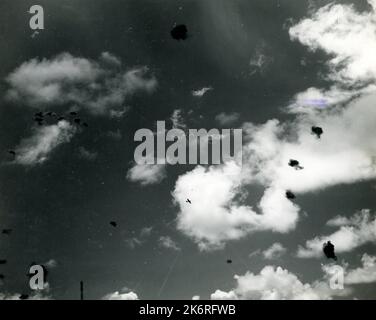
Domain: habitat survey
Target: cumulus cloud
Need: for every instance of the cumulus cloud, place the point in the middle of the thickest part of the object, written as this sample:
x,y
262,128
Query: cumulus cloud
x,y
16,296
275,251
36,149
36,294
223,295
121,296
227,118
200,92
276,283
98,86
354,232
208,219
167,242
349,38
218,212
110,58
147,174
364,274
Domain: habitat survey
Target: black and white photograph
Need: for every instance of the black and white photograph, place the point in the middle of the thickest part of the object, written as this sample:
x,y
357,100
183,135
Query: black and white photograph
x,y
197,150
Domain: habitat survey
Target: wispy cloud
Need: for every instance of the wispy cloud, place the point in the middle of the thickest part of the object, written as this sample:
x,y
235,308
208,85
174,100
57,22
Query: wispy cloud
x,y
37,148
147,174
167,242
354,232
98,86
201,92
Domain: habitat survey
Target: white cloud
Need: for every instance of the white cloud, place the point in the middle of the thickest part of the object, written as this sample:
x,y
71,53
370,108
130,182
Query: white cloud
x,y
223,295
177,119
121,296
314,99
167,242
227,118
36,149
254,253
218,213
354,232
275,251
338,221
146,231
259,60
116,135
347,35
207,219
200,92
16,296
134,242
36,294
87,154
117,114
52,263
276,283
147,174
139,238
349,38
364,274
99,86
110,58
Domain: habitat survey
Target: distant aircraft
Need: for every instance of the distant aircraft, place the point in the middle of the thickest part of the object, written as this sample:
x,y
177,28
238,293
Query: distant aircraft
x,y
229,261
3,261
12,152
188,201
113,223
24,296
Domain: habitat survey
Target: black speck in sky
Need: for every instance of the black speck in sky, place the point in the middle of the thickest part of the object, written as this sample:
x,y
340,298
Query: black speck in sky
x,y
328,249
179,32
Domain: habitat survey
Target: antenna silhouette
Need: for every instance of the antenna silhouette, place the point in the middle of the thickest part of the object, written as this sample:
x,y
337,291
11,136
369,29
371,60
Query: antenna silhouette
x,y
81,290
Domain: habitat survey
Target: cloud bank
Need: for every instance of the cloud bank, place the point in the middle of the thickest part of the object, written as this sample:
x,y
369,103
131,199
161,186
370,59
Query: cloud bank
x,y
97,86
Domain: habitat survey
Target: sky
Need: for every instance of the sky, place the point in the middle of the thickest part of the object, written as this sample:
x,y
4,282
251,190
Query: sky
x,y
271,68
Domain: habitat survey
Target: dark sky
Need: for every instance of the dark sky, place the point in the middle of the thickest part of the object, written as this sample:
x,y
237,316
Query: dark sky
x,y
60,209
